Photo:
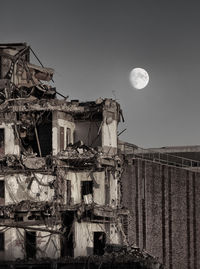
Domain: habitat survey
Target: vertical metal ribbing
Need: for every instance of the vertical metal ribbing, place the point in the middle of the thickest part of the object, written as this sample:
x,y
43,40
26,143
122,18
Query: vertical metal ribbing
x,y
163,217
144,203
137,202
170,216
194,220
188,218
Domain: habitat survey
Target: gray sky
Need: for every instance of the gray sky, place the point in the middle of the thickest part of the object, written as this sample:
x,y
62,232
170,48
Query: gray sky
x,y
94,44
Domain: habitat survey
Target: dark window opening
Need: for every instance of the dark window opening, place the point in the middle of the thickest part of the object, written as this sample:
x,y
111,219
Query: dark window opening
x,y
2,142
30,245
38,138
98,218
107,194
99,243
68,136
61,138
86,188
35,217
45,136
67,246
2,192
2,241
68,192
2,189
18,218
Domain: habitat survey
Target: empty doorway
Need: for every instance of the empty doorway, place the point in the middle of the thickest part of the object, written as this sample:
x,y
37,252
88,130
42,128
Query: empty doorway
x,y
30,244
99,243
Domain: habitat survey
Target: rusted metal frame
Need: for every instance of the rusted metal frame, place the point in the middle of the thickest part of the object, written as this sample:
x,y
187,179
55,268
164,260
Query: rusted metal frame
x,y
122,132
19,54
65,97
42,65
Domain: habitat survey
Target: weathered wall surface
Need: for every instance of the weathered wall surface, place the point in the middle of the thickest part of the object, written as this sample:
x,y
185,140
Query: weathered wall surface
x,y
105,187
10,143
61,119
84,235
164,204
98,179
14,244
113,190
48,245
20,187
109,134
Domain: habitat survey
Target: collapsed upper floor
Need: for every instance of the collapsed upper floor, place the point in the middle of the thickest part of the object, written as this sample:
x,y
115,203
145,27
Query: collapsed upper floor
x,y
34,122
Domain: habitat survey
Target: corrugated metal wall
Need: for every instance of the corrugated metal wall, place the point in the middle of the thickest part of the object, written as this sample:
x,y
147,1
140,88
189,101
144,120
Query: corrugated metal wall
x,y
164,203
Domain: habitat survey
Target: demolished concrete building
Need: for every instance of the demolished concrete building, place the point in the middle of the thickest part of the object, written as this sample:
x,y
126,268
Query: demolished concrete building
x,y
69,188
43,163
60,187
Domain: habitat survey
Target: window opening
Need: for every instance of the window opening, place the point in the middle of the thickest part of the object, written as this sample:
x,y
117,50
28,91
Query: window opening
x,y
68,192
99,243
2,141
36,136
68,136
2,192
30,246
2,189
67,245
87,191
86,188
61,138
2,241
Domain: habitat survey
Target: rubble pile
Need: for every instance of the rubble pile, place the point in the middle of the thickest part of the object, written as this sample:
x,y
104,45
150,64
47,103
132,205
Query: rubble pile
x,y
79,153
45,208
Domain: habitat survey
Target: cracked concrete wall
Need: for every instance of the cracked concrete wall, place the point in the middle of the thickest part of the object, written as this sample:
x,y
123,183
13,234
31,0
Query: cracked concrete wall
x,y
113,187
84,235
115,235
109,134
14,245
48,246
98,179
102,182
18,188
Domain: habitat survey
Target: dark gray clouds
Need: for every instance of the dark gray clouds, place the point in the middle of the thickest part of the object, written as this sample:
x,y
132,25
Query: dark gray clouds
x,y
93,45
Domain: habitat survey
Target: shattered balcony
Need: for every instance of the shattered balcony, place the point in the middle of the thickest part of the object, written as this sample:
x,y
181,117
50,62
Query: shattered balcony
x,y
83,156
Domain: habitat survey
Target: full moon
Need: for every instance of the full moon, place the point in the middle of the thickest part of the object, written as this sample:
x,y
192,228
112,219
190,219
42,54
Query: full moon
x,y
139,78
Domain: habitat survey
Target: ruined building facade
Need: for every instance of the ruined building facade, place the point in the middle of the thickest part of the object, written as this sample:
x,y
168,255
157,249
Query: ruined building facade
x,y
70,188
59,171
